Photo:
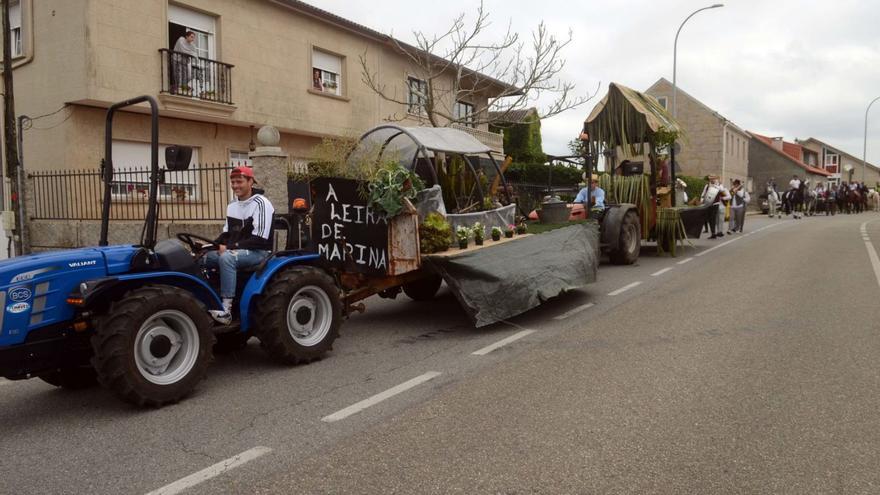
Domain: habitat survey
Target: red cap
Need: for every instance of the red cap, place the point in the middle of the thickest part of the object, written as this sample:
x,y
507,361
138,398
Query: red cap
x,y
242,171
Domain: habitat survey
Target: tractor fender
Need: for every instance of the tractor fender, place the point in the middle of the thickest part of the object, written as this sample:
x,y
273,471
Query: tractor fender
x,y
610,237
122,283
261,278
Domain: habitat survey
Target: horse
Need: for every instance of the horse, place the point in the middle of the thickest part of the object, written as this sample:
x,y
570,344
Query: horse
x,y
810,200
793,202
873,198
852,201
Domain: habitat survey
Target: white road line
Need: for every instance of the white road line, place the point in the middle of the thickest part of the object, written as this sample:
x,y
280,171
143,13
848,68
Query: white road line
x,y
573,311
686,260
717,247
211,472
502,343
661,272
624,289
372,401
872,253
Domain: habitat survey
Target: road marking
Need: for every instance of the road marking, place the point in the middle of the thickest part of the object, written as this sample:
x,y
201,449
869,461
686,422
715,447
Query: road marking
x,y
372,401
624,289
686,260
574,311
872,253
717,247
211,471
661,272
502,343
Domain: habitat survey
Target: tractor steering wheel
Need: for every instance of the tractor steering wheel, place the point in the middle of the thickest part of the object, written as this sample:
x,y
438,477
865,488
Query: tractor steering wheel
x,y
190,240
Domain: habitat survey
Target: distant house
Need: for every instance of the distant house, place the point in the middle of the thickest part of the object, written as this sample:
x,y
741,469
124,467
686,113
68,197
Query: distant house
x,y
712,144
842,165
522,133
773,158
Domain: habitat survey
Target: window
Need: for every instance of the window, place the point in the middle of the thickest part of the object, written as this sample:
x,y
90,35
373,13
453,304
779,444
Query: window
x,y
832,161
326,72
417,96
239,159
181,20
662,101
15,29
463,112
131,164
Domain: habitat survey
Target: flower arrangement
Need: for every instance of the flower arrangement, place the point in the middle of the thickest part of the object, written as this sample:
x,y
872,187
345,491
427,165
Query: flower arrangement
x,y
462,233
521,227
434,234
496,233
479,233
389,186
508,232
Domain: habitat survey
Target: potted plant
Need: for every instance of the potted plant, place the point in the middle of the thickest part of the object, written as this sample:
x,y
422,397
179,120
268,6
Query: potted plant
x,y
522,228
479,233
496,233
462,233
508,232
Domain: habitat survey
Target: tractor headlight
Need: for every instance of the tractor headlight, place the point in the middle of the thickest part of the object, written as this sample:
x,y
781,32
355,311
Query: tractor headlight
x,y
83,288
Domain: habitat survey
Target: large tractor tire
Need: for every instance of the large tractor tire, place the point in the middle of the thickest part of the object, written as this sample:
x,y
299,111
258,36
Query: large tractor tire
x,y
423,289
153,346
629,241
299,315
76,378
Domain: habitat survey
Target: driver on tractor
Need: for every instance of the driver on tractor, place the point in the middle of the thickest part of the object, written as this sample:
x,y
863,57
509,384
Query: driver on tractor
x,y
245,241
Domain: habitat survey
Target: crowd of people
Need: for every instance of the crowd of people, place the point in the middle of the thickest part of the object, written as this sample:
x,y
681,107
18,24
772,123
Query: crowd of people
x,y
719,197
801,199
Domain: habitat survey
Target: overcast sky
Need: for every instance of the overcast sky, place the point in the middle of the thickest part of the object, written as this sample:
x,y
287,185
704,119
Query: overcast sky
x,y
787,68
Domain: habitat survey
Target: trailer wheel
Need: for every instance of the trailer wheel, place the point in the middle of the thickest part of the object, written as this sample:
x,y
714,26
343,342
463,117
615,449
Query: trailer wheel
x,y
423,289
153,346
76,378
630,241
299,315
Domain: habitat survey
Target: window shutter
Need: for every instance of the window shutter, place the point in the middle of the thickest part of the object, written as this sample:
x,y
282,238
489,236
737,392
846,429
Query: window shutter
x,y
326,62
190,19
15,15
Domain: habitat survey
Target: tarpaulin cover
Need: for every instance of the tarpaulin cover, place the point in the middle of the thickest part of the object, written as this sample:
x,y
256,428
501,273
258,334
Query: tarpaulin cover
x,y
501,281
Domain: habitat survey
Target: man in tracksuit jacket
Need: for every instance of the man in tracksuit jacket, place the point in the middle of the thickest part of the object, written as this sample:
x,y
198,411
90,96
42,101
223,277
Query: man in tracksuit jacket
x,y
245,239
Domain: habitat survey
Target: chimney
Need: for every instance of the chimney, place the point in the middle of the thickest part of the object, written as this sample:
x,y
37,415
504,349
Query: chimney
x,y
776,142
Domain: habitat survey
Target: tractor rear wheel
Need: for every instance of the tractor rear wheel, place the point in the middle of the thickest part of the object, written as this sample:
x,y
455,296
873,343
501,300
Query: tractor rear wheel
x,y
423,289
153,346
71,378
299,315
629,240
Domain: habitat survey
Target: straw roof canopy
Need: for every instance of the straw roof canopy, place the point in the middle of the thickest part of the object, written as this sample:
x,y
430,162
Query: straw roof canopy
x,y
628,118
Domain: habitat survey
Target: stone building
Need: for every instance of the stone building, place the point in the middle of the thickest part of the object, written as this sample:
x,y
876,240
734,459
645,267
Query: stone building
x,y
772,158
712,144
282,63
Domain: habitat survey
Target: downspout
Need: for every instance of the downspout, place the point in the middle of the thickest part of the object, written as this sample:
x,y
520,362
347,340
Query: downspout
x,y
723,149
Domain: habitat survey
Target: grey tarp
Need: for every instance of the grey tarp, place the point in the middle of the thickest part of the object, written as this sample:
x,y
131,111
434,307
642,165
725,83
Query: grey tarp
x,y
498,282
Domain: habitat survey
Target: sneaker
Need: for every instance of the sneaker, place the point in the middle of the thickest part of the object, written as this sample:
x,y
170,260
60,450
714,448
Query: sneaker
x,y
728,232
221,316
720,235
713,236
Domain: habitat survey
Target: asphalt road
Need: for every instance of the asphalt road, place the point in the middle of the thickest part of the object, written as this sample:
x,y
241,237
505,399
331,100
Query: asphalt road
x,y
745,365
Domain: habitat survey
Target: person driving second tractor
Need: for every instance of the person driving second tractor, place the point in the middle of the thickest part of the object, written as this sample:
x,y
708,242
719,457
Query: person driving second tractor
x,y
245,241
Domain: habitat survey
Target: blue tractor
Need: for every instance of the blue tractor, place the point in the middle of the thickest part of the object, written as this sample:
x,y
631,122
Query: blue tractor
x,y
135,317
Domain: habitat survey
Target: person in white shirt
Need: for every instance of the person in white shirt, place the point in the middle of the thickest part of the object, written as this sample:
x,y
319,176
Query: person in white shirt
x,y
739,197
717,195
772,198
246,238
794,184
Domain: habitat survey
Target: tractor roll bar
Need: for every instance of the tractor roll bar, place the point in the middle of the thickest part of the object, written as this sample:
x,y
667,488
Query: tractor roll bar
x,y
148,239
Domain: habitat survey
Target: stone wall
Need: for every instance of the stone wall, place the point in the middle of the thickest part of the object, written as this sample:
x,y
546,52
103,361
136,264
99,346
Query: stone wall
x,y
67,234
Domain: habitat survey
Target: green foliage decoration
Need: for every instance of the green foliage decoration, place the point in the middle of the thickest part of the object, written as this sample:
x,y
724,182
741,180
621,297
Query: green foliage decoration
x,y
389,186
435,234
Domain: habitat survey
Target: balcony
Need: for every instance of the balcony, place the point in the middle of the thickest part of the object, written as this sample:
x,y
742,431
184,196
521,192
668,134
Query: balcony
x,y
494,141
196,81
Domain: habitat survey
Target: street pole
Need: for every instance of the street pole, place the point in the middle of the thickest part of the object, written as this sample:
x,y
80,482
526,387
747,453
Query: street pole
x,y
865,144
22,240
675,90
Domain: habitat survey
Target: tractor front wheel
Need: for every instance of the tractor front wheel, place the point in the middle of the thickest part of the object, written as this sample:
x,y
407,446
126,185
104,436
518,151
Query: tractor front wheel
x,y
299,315
153,346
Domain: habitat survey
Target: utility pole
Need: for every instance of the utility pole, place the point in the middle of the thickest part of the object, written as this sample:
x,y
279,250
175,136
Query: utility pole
x,y
22,240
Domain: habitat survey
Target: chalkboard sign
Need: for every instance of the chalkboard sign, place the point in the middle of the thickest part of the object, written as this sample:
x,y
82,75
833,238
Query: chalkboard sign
x,y
346,232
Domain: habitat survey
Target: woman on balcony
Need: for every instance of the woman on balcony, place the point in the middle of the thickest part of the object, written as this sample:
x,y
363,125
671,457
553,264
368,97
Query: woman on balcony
x,y
185,53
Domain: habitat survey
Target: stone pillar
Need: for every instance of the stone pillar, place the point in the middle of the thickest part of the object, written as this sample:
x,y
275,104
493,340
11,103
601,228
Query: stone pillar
x,y
271,165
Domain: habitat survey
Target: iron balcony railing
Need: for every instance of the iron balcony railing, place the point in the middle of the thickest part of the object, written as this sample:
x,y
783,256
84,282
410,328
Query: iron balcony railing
x,y
199,193
196,77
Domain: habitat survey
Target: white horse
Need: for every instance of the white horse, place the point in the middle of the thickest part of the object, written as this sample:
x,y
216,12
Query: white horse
x,y
874,199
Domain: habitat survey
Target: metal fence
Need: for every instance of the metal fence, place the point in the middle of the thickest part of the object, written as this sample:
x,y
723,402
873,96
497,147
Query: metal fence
x,y
200,193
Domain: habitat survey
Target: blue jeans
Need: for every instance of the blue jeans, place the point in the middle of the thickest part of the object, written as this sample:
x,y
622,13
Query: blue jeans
x,y
229,263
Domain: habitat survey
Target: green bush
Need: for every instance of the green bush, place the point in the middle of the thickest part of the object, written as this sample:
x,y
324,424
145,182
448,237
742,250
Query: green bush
x,y
694,185
537,173
435,234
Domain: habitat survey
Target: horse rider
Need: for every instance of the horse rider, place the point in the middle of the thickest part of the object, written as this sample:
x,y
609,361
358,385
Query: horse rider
x,y
772,197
